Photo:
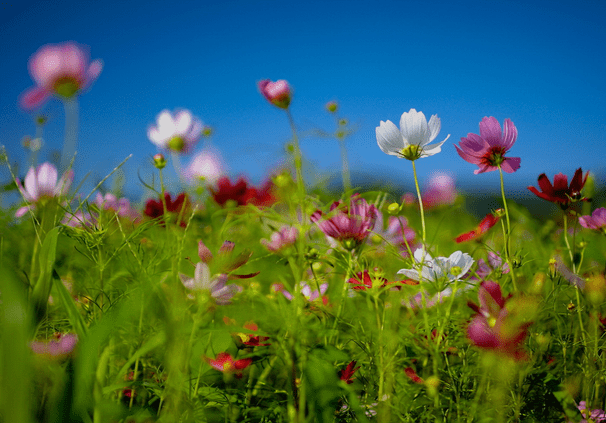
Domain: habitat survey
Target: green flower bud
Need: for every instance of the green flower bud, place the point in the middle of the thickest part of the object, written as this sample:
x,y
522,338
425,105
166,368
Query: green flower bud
x,y
159,161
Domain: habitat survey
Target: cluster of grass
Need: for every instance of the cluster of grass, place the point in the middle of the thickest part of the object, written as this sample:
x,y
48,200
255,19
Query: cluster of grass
x,y
146,343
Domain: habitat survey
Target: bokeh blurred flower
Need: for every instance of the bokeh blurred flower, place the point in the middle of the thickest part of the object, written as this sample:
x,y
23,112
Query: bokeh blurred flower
x,y
225,363
488,149
205,168
560,192
215,286
120,206
242,193
596,221
41,183
412,139
277,93
177,207
225,261
452,268
495,262
62,346
441,191
309,294
79,219
59,69
485,224
349,225
495,327
178,134
397,233
252,340
285,237
591,416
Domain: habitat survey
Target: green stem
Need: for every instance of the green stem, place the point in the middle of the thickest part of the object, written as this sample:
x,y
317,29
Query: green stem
x,y
298,163
71,132
345,166
507,234
414,171
570,252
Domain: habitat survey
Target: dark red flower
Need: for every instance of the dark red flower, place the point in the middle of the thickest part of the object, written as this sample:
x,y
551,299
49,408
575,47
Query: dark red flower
x,y
242,193
485,224
560,192
252,340
346,374
410,372
363,281
155,208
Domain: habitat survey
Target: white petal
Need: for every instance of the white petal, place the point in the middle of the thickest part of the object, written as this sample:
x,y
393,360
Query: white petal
x,y
389,138
202,276
410,273
434,127
430,150
414,129
183,122
47,179
31,185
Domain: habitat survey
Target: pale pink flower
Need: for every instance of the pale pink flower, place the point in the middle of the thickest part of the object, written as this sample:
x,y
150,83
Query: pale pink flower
x,y
206,167
309,294
277,93
41,183
441,190
596,221
215,286
285,237
178,134
121,206
62,346
59,69
488,149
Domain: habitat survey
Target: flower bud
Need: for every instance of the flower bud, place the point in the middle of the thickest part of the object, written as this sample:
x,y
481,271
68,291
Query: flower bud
x,y
277,93
207,131
332,106
159,161
41,120
393,208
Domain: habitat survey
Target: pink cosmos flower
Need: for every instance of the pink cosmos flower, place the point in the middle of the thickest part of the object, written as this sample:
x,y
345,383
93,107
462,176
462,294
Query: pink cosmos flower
x,y
595,416
121,206
309,294
285,237
492,328
41,183
596,221
397,233
488,149
178,134
62,346
277,93
59,69
349,225
215,286
441,192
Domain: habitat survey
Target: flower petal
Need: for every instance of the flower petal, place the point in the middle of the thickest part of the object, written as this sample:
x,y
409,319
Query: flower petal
x,y
490,131
389,138
414,129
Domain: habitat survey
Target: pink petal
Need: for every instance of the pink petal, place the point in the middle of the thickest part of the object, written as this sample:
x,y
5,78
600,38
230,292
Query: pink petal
x,y
511,164
490,131
31,185
47,179
94,70
34,97
510,134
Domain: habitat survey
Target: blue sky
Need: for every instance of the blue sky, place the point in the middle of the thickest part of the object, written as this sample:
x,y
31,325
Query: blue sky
x,y
539,63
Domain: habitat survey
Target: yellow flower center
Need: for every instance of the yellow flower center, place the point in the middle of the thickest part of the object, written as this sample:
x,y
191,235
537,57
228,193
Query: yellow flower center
x,y
176,143
411,152
66,86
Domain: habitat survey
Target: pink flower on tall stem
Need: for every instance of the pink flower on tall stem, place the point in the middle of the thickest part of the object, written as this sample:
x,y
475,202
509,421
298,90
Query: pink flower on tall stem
x,y
488,149
349,225
277,93
59,69
596,221
225,363
41,183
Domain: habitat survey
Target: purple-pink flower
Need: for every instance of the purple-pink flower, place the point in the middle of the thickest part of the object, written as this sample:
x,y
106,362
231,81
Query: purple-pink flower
x,y
59,69
120,206
277,93
349,225
285,237
62,346
442,191
596,221
595,416
488,149
41,183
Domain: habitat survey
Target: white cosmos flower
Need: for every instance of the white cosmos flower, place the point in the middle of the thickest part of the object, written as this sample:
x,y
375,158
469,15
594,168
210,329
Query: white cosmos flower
x,y
412,139
452,268
179,134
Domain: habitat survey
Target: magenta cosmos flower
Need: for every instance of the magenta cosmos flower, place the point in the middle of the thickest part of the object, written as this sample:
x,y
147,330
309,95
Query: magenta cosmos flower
x,y
41,183
488,149
59,69
277,93
61,346
349,225
596,221
178,134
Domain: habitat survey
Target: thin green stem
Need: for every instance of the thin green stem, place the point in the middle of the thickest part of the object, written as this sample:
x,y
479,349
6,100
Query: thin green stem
x,y
570,252
298,163
507,234
345,166
414,171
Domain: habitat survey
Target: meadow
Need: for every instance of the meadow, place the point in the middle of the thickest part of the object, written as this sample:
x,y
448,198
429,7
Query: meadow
x,y
285,302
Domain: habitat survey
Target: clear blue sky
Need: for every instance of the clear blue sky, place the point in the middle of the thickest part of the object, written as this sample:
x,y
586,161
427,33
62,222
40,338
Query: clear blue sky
x,y
540,63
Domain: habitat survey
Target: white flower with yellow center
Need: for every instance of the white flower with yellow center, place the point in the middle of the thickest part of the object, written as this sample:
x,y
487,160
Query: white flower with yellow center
x,y
451,268
179,134
412,139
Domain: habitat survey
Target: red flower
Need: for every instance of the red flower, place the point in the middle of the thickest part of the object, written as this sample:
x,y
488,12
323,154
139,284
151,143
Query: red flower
x,y
252,340
410,372
560,192
242,193
155,208
346,374
363,281
485,224
225,363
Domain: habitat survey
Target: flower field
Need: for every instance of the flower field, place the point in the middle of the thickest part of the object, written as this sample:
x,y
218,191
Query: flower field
x,y
282,302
